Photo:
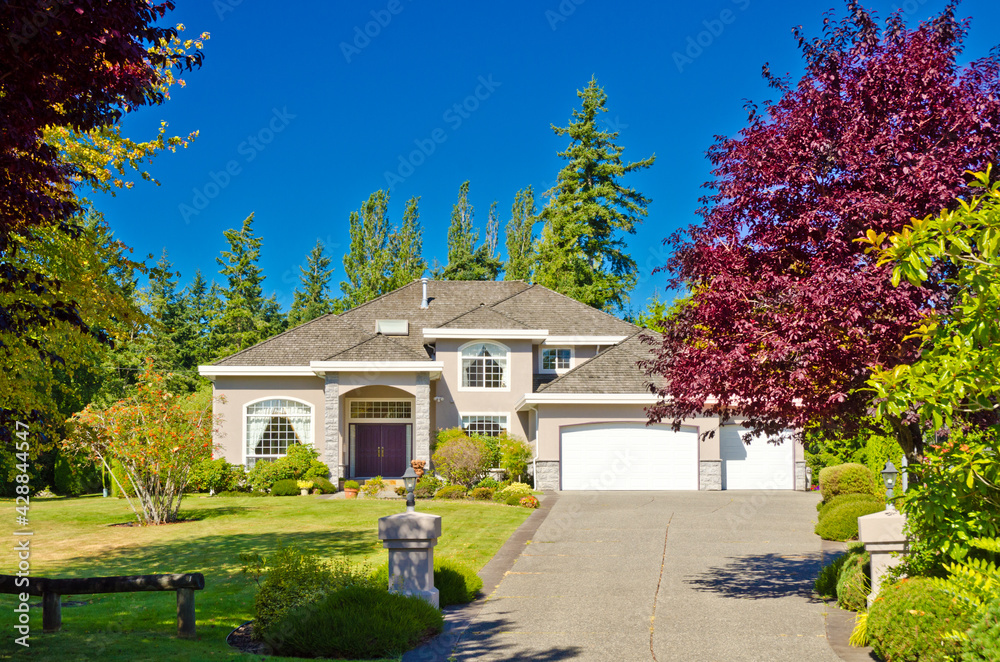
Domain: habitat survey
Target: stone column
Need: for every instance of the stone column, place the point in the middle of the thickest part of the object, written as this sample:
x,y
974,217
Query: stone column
x,y
882,534
422,419
800,476
710,475
331,427
547,475
410,539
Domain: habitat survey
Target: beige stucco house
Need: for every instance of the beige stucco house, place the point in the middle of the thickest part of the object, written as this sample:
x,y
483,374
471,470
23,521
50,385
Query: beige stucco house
x,y
369,388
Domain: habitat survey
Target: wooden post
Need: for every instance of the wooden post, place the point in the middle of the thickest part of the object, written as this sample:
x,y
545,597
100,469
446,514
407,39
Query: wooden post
x,y
185,613
51,612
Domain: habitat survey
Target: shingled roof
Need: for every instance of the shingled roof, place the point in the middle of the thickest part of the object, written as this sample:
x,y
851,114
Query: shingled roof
x,y
614,370
351,335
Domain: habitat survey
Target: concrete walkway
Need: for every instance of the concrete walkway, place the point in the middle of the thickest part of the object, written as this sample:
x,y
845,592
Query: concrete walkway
x,y
692,576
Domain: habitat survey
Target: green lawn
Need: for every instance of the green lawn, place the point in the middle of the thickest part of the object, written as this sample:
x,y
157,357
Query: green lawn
x,y
74,538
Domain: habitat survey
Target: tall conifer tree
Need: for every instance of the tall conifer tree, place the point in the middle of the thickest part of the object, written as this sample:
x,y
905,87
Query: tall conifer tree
x,y
520,242
312,300
465,260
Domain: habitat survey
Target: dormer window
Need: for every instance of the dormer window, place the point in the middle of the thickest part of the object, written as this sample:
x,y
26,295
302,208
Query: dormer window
x,y
484,366
392,327
556,359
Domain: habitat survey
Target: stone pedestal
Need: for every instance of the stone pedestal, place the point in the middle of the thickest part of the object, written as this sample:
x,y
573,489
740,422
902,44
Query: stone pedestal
x,y
410,539
710,475
882,534
546,475
801,483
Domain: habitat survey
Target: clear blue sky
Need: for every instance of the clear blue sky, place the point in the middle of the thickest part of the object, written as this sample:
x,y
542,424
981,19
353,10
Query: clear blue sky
x,y
341,121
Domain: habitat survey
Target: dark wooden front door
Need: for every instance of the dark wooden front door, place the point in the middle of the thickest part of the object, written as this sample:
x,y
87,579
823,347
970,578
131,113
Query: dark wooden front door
x,y
380,449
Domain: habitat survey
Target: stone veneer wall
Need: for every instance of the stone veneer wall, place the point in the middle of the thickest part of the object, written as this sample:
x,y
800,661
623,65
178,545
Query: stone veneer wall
x,y
710,475
331,427
422,419
546,474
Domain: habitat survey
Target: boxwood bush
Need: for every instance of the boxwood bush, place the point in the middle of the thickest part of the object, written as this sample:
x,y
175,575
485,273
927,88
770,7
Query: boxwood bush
x,y
984,636
853,584
505,494
849,478
482,493
451,492
324,486
841,521
288,487
911,620
457,584
356,622
825,508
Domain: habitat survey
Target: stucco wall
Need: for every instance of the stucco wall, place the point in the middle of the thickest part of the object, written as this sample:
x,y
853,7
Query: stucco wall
x,y
551,417
238,391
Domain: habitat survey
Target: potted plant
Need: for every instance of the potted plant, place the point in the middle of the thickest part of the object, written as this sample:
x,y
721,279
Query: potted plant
x,y
304,486
351,489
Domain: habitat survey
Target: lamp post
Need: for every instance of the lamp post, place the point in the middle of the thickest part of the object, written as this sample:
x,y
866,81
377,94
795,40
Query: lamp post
x,y
889,479
410,481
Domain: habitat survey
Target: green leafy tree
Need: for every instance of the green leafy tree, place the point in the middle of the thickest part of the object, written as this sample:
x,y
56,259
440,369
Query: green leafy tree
x,y
407,262
582,253
466,261
366,263
521,237
312,300
246,317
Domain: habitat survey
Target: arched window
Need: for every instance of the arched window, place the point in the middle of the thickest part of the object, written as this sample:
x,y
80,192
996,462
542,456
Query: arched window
x,y
484,366
275,424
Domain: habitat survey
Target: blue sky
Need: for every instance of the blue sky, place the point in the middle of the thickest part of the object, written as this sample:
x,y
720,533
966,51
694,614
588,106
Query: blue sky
x,y
309,113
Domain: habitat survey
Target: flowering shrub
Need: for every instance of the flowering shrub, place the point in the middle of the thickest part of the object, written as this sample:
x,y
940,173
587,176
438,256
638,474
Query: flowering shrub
x,y
529,502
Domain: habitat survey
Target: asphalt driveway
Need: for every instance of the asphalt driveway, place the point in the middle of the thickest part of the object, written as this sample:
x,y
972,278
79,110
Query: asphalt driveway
x,y
692,576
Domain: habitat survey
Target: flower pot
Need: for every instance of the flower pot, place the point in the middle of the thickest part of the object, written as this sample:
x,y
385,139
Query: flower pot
x,y
304,492
350,494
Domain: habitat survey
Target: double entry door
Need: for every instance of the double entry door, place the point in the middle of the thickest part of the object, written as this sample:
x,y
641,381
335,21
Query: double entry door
x,y
380,449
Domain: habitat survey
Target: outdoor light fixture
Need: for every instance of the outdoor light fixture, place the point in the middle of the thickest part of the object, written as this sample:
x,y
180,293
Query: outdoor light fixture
x,y
410,481
889,478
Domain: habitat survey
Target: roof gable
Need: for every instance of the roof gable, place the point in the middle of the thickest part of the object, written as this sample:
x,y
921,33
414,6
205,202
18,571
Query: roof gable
x,y
614,370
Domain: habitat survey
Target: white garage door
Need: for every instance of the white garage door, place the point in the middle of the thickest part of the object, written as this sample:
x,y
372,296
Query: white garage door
x,y
759,466
628,456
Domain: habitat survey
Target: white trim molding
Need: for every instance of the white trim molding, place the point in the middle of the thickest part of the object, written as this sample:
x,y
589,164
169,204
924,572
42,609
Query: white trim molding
x,y
492,334
213,371
534,399
583,340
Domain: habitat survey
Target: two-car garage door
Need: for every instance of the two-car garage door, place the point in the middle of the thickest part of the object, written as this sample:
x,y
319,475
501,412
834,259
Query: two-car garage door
x,y
633,456
629,456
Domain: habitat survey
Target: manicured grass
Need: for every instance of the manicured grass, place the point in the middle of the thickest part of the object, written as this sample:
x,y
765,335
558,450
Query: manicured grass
x,y
74,538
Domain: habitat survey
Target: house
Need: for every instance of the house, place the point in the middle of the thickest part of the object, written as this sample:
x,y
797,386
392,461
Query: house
x,y
369,387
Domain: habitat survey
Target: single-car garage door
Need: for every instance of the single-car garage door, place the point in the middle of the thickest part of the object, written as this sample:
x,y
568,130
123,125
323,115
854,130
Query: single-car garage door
x,y
759,466
628,456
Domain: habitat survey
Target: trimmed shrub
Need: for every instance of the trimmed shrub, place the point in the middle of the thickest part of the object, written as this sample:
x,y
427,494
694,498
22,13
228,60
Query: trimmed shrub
x,y
825,508
427,486
463,460
910,621
351,485
287,487
826,582
490,482
451,492
504,494
355,622
265,474
300,463
456,583
373,487
847,478
841,521
324,486
216,475
528,502
482,493
852,581
983,644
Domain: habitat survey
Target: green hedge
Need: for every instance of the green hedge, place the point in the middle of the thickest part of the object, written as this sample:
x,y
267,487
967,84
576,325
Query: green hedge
x,y
323,485
355,622
847,478
451,492
74,476
984,636
288,487
457,584
853,584
841,521
482,493
826,582
825,508
910,622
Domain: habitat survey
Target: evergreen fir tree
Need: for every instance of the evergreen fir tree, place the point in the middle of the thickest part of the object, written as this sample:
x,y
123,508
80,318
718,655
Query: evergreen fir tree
x,y
582,253
312,300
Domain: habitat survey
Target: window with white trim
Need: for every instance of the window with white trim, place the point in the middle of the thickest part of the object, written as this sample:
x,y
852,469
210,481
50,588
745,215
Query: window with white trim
x,y
556,359
484,366
274,425
381,409
490,425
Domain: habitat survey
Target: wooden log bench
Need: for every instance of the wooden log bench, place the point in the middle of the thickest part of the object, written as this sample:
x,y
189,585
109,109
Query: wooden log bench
x,y
52,591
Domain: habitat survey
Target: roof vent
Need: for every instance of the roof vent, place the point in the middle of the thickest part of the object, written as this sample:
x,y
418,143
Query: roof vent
x,y
392,327
423,303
